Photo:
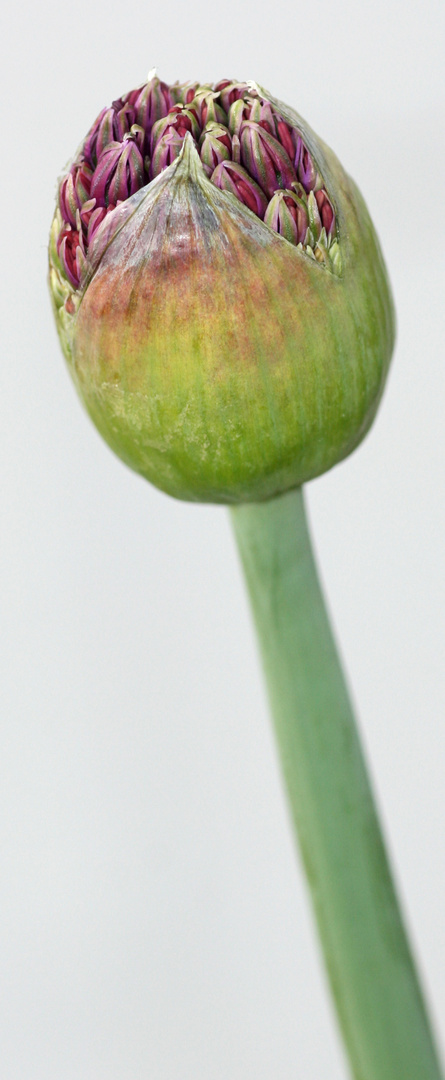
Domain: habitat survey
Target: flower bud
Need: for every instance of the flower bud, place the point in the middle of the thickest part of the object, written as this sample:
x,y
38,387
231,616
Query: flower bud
x,y
251,108
91,217
307,172
110,126
228,322
288,216
230,91
75,191
119,172
185,93
166,150
233,178
236,150
261,113
181,119
265,158
153,102
326,211
209,108
239,112
70,249
215,146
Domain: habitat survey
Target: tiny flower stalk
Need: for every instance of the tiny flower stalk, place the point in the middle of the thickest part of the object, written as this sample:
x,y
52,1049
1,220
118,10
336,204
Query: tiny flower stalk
x,y
224,309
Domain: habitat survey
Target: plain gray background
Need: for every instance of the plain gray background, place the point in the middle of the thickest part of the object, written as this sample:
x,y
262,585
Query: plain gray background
x,y
154,919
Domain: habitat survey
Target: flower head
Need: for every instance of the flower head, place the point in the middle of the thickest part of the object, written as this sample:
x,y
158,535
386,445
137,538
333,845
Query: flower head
x,y
219,291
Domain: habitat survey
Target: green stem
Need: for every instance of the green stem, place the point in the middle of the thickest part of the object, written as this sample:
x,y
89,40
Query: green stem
x,y
370,967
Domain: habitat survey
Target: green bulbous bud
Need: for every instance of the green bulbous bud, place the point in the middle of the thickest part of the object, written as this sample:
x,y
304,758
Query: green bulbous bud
x,y
222,361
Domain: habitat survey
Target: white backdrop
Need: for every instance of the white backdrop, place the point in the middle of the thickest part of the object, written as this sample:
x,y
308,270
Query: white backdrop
x,y
154,919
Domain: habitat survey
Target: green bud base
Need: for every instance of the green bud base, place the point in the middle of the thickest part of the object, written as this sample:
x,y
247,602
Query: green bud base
x,y
370,967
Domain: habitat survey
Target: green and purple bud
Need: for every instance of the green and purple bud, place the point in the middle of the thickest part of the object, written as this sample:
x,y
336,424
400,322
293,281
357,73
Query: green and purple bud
x,y
326,211
181,119
153,102
111,126
215,146
255,109
287,215
91,216
230,91
71,252
223,307
265,158
119,172
75,191
165,151
185,93
291,141
307,172
233,178
209,108
239,112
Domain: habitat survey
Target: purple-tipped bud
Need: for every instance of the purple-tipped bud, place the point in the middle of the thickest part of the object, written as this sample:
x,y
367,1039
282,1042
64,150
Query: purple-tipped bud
x,y
215,146
211,111
184,93
265,158
229,91
229,334
71,252
85,214
130,98
315,225
167,149
236,149
154,101
255,109
239,112
326,211
286,214
110,126
92,218
180,119
261,112
298,189
232,177
307,172
75,191
119,173
291,139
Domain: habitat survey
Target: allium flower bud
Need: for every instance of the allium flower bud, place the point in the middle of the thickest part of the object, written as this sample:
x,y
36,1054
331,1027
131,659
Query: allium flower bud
x,y
119,172
229,91
75,191
91,217
111,126
307,172
153,102
326,211
288,216
71,252
265,158
224,310
209,108
255,109
215,146
239,112
233,178
185,93
181,119
166,150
